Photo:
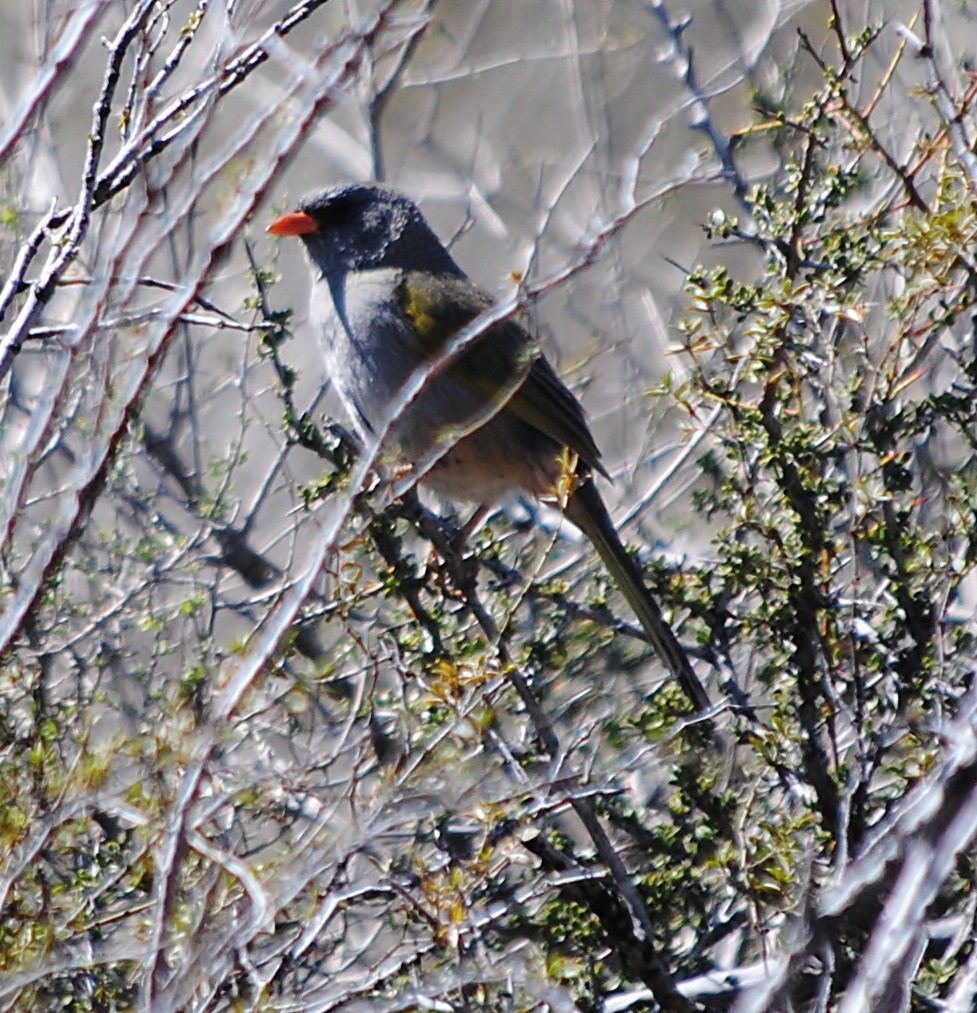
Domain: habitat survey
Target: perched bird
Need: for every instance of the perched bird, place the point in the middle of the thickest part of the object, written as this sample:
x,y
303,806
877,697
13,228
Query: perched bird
x,y
387,298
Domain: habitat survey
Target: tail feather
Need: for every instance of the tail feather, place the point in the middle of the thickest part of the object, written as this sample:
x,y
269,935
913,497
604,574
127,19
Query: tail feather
x,y
587,511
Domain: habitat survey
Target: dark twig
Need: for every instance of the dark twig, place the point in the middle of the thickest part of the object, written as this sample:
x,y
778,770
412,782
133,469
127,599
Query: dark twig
x,y
908,184
58,263
681,58
952,117
381,98
909,857
839,29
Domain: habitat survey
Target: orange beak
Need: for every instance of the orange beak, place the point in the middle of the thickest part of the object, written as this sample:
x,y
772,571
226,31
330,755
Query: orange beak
x,y
295,223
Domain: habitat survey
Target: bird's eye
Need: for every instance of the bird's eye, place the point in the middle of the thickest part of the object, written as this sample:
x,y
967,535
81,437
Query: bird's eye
x,y
340,212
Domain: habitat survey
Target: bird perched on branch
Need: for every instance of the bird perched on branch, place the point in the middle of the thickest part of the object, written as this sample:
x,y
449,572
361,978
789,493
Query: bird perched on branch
x,y
481,425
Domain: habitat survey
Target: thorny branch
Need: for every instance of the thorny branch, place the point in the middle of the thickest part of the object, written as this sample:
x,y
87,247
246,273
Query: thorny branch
x,y
313,768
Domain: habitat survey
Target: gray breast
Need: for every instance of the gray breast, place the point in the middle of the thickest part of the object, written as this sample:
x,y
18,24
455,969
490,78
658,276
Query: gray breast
x,y
371,356
364,344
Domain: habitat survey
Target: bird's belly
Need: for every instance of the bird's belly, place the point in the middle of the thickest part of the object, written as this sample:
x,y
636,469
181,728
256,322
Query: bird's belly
x,y
494,462
445,430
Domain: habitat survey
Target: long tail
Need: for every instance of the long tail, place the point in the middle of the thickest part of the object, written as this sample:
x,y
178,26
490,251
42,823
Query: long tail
x,y
586,509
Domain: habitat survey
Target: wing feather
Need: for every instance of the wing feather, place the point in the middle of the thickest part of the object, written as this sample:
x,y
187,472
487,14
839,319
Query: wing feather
x,y
439,306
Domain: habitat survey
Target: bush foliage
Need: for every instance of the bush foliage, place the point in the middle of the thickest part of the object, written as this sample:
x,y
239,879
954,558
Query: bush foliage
x,y
361,763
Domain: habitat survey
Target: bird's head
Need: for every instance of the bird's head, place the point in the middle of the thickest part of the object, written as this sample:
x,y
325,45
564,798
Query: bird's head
x,y
360,226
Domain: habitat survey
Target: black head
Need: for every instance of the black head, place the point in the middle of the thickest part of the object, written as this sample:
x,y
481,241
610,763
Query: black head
x,y
361,226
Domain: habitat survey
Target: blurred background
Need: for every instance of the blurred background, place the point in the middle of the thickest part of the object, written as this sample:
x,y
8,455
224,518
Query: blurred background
x,y
237,713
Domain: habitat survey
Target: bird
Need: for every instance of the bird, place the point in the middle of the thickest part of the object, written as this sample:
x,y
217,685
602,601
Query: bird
x,y
496,421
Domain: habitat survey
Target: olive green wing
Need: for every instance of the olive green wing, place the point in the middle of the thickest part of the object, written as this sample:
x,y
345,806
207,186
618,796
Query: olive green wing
x,y
439,306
